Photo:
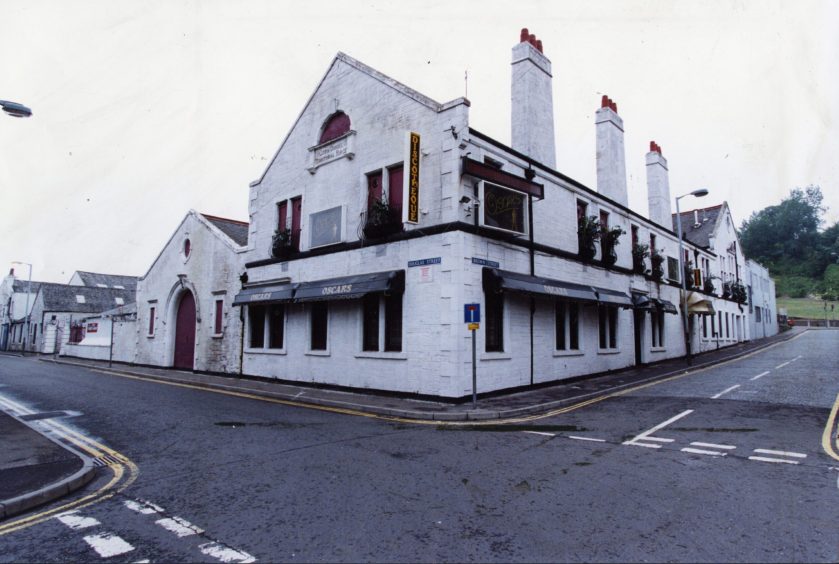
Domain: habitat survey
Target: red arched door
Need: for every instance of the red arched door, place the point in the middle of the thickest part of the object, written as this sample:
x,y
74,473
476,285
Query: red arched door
x,y
185,333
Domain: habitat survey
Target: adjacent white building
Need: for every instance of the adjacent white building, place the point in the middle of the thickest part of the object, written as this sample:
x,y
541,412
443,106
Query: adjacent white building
x,y
185,317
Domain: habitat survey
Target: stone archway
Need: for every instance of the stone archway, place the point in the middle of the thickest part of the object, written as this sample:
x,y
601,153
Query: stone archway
x,y
185,329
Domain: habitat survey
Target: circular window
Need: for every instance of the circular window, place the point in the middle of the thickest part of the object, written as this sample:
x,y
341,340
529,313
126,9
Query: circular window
x,y
187,248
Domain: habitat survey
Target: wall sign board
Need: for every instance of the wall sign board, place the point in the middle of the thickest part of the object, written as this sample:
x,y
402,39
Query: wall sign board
x,y
504,209
411,191
325,227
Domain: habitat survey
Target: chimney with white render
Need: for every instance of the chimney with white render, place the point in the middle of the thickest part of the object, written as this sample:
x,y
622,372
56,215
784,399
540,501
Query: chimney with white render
x,y
658,187
532,101
611,161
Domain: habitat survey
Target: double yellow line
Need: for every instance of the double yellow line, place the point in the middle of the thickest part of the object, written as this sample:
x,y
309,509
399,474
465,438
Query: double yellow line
x,y
123,471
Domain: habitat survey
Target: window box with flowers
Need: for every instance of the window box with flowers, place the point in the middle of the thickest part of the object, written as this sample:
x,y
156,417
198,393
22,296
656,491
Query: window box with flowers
x,y
640,252
281,244
738,292
657,262
609,239
588,234
708,284
382,220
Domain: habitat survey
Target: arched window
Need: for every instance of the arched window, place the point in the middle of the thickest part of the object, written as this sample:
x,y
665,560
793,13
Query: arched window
x,y
338,124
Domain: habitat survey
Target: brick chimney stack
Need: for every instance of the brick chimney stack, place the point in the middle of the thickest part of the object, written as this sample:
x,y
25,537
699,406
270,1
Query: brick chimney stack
x,y
658,187
611,159
532,101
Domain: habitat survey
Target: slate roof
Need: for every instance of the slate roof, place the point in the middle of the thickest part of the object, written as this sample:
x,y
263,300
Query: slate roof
x,y
21,285
62,297
94,279
236,230
699,234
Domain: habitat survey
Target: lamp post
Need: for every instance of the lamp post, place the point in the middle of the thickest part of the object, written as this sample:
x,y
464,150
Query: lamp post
x,y
14,109
28,291
701,192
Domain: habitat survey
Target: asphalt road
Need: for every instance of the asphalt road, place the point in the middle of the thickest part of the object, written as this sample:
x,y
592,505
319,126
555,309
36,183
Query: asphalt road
x,y
725,464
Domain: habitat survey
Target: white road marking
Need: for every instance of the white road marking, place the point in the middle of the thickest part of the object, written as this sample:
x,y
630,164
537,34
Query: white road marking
x,y
761,375
225,553
642,444
796,358
143,507
779,460
646,434
541,433
75,521
658,439
780,453
713,445
725,391
708,452
108,544
586,439
782,364
180,527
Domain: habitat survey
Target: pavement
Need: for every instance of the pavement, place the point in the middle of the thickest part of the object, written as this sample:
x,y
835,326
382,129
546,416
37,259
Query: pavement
x,y
36,469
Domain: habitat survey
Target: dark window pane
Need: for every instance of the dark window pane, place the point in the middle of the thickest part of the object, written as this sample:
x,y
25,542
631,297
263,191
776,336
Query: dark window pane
x,y
394,192
613,327
256,317
601,312
219,314
393,323
574,326
370,322
560,326
276,326
320,313
494,322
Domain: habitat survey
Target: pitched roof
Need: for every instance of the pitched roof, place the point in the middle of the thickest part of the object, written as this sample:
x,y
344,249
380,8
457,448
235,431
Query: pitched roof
x,y
236,230
21,286
699,233
99,280
64,297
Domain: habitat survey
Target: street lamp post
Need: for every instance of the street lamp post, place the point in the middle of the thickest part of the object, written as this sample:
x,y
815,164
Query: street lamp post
x,y
28,291
685,319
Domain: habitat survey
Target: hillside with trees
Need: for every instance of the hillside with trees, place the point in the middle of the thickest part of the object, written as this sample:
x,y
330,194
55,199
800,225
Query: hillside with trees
x,y
788,239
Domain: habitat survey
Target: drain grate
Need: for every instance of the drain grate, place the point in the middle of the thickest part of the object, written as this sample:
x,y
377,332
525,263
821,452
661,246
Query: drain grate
x,y
106,460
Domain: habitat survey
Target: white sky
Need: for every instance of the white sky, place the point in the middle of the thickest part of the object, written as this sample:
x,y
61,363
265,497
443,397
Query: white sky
x,y
143,110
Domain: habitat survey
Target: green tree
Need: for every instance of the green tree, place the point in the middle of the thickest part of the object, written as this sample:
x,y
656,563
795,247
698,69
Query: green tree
x,y
831,283
786,237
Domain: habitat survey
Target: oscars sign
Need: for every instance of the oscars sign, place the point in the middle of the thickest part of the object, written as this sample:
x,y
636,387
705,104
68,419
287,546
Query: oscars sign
x,y
411,179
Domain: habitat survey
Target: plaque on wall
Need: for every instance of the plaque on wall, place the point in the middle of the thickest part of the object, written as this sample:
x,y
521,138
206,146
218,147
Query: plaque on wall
x,y
503,208
325,227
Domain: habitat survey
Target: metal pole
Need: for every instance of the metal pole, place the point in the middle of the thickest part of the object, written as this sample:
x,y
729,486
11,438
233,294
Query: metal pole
x,y
111,347
474,373
684,287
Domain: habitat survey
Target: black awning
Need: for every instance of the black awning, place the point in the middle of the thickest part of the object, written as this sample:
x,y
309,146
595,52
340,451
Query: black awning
x,y
496,280
351,287
276,293
613,297
668,307
643,302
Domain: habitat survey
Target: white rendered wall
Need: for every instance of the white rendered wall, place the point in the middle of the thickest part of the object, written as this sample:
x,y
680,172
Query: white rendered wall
x,y
211,272
658,189
532,105
610,157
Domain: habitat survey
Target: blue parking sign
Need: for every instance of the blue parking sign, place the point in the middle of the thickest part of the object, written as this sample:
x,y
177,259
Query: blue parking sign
x,y
471,313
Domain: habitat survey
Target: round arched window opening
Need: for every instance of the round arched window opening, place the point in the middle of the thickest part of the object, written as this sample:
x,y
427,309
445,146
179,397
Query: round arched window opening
x,y
187,248
337,125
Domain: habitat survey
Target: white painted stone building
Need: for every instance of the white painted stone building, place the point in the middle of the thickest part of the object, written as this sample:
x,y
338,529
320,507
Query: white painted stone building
x,y
353,282
184,314
763,310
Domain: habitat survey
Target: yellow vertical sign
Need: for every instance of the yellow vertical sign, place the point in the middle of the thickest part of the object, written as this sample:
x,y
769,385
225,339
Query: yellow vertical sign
x,y
411,209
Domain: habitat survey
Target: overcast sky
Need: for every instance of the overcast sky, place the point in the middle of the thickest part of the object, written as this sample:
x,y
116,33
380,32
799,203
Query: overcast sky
x,y
144,110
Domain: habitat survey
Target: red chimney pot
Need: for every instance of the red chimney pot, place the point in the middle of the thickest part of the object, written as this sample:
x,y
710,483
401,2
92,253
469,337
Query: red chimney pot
x,y
604,101
532,39
614,106
524,35
539,45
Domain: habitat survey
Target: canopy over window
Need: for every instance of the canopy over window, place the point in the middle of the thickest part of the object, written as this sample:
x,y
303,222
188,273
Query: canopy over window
x,y
496,280
351,287
263,294
699,304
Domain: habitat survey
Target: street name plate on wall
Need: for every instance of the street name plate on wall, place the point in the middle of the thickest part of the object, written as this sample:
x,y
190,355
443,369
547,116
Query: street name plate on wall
x,y
411,195
423,262
485,262
325,227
